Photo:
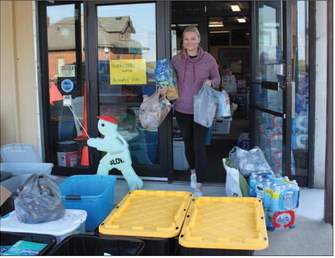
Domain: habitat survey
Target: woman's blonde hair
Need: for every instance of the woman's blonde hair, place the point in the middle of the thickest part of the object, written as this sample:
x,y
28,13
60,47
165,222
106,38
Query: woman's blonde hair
x,y
188,29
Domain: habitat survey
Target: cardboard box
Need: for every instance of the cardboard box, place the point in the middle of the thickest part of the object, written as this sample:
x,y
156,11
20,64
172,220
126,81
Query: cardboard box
x,y
4,194
6,201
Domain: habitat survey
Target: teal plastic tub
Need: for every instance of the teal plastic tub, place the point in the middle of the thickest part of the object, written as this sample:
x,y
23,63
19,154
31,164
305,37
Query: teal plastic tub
x,y
92,193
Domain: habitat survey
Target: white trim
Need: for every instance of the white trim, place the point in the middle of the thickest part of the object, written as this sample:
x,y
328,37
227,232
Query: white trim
x,y
163,179
36,61
321,96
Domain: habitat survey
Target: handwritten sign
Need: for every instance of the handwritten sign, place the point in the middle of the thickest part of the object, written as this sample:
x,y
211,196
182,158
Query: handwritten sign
x,y
128,71
67,71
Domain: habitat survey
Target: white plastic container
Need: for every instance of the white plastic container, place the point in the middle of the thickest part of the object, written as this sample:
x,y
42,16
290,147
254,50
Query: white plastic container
x,y
179,158
27,168
221,126
73,222
19,152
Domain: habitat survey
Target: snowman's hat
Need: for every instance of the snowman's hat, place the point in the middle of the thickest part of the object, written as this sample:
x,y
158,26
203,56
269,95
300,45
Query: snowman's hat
x,y
108,119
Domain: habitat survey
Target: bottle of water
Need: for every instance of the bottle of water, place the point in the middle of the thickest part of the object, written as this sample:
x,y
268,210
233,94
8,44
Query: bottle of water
x,y
290,196
252,184
260,188
267,194
276,190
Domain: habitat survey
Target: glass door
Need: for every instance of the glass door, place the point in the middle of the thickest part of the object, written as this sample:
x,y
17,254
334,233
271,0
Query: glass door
x,y
301,140
122,42
271,84
63,87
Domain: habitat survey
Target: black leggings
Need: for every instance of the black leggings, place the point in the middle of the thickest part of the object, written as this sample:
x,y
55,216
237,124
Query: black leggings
x,y
194,136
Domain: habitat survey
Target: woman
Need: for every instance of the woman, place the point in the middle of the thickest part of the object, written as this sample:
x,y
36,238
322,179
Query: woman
x,y
194,67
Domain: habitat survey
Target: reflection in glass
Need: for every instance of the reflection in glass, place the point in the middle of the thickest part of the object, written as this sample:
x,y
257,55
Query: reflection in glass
x,y
269,137
66,79
126,62
301,82
269,66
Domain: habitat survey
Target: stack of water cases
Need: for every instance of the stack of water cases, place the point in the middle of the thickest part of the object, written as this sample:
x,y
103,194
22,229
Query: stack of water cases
x,y
280,198
271,142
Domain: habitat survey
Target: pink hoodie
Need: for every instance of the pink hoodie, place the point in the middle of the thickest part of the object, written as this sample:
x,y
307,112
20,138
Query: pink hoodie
x,y
191,74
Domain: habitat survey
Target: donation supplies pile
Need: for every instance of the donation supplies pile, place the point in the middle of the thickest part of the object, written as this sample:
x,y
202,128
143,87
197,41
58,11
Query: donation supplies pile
x,y
280,196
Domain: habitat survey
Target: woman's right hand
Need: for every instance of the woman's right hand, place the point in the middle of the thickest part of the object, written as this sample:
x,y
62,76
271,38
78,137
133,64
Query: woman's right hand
x,y
164,90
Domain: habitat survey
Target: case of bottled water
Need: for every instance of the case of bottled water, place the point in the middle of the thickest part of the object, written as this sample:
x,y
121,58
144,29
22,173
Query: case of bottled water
x,y
280,198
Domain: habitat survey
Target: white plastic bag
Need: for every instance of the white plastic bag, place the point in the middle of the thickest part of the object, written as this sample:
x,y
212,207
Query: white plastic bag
x,y
153,110
223,109
205,105
248,161
232,181
229,84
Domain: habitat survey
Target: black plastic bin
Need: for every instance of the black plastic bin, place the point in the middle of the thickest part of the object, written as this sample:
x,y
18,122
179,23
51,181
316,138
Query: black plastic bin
x,y
10,238
160,246
153,216
152,245
185,251
7,206
82,244
4,175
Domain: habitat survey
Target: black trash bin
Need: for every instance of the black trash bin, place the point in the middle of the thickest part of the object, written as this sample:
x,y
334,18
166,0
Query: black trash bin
x,y
8,239
82,244
4,175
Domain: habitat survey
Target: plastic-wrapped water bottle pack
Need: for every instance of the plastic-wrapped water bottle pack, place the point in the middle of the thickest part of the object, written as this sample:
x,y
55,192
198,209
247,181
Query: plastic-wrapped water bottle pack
x,y
280,198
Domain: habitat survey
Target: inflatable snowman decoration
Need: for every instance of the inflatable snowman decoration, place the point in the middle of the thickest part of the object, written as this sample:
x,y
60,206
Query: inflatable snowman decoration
x,y
117,152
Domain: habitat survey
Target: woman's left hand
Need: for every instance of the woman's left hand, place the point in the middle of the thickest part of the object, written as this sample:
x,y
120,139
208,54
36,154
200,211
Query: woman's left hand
x,y
208,83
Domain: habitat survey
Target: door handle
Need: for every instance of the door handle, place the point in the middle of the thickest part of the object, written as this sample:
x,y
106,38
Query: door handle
x,y
293,98
281,86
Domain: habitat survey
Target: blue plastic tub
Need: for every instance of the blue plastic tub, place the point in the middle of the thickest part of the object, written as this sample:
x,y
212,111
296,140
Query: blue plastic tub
x,y
152,152
152,146
92,193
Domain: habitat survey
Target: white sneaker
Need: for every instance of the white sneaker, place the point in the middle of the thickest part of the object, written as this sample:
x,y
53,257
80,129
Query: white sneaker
x,y
193,181
197,193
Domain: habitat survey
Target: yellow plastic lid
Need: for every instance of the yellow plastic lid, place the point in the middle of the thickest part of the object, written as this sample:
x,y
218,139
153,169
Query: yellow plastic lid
x,y
148,213
225,223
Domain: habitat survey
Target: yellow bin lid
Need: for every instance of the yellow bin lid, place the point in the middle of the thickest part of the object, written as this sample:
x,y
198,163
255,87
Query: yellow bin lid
x,y
148,213
225,223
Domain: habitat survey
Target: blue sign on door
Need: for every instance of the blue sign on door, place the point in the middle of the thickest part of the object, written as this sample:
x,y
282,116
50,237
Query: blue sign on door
x,y
67,85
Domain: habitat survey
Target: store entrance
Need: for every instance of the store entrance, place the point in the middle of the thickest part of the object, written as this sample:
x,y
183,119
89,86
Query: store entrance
x,y
225,33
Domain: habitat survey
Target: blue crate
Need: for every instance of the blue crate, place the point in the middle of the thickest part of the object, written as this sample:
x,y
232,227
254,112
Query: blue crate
x,y
152,146
92,193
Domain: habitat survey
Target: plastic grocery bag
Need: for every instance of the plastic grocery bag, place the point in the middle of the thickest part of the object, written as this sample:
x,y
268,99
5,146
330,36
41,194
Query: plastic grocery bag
x,y
223,109
204,104
248,161
229,84
236,185
153,110
165,77
39,200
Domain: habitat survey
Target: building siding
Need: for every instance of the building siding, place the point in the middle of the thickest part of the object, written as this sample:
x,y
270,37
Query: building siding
x,y
18,75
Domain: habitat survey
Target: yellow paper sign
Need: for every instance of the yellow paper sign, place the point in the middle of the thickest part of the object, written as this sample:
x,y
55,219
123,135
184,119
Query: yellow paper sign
x,y
130,71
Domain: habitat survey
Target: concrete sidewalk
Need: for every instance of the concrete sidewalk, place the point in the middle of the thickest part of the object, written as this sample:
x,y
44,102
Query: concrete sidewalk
x,y
310,237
